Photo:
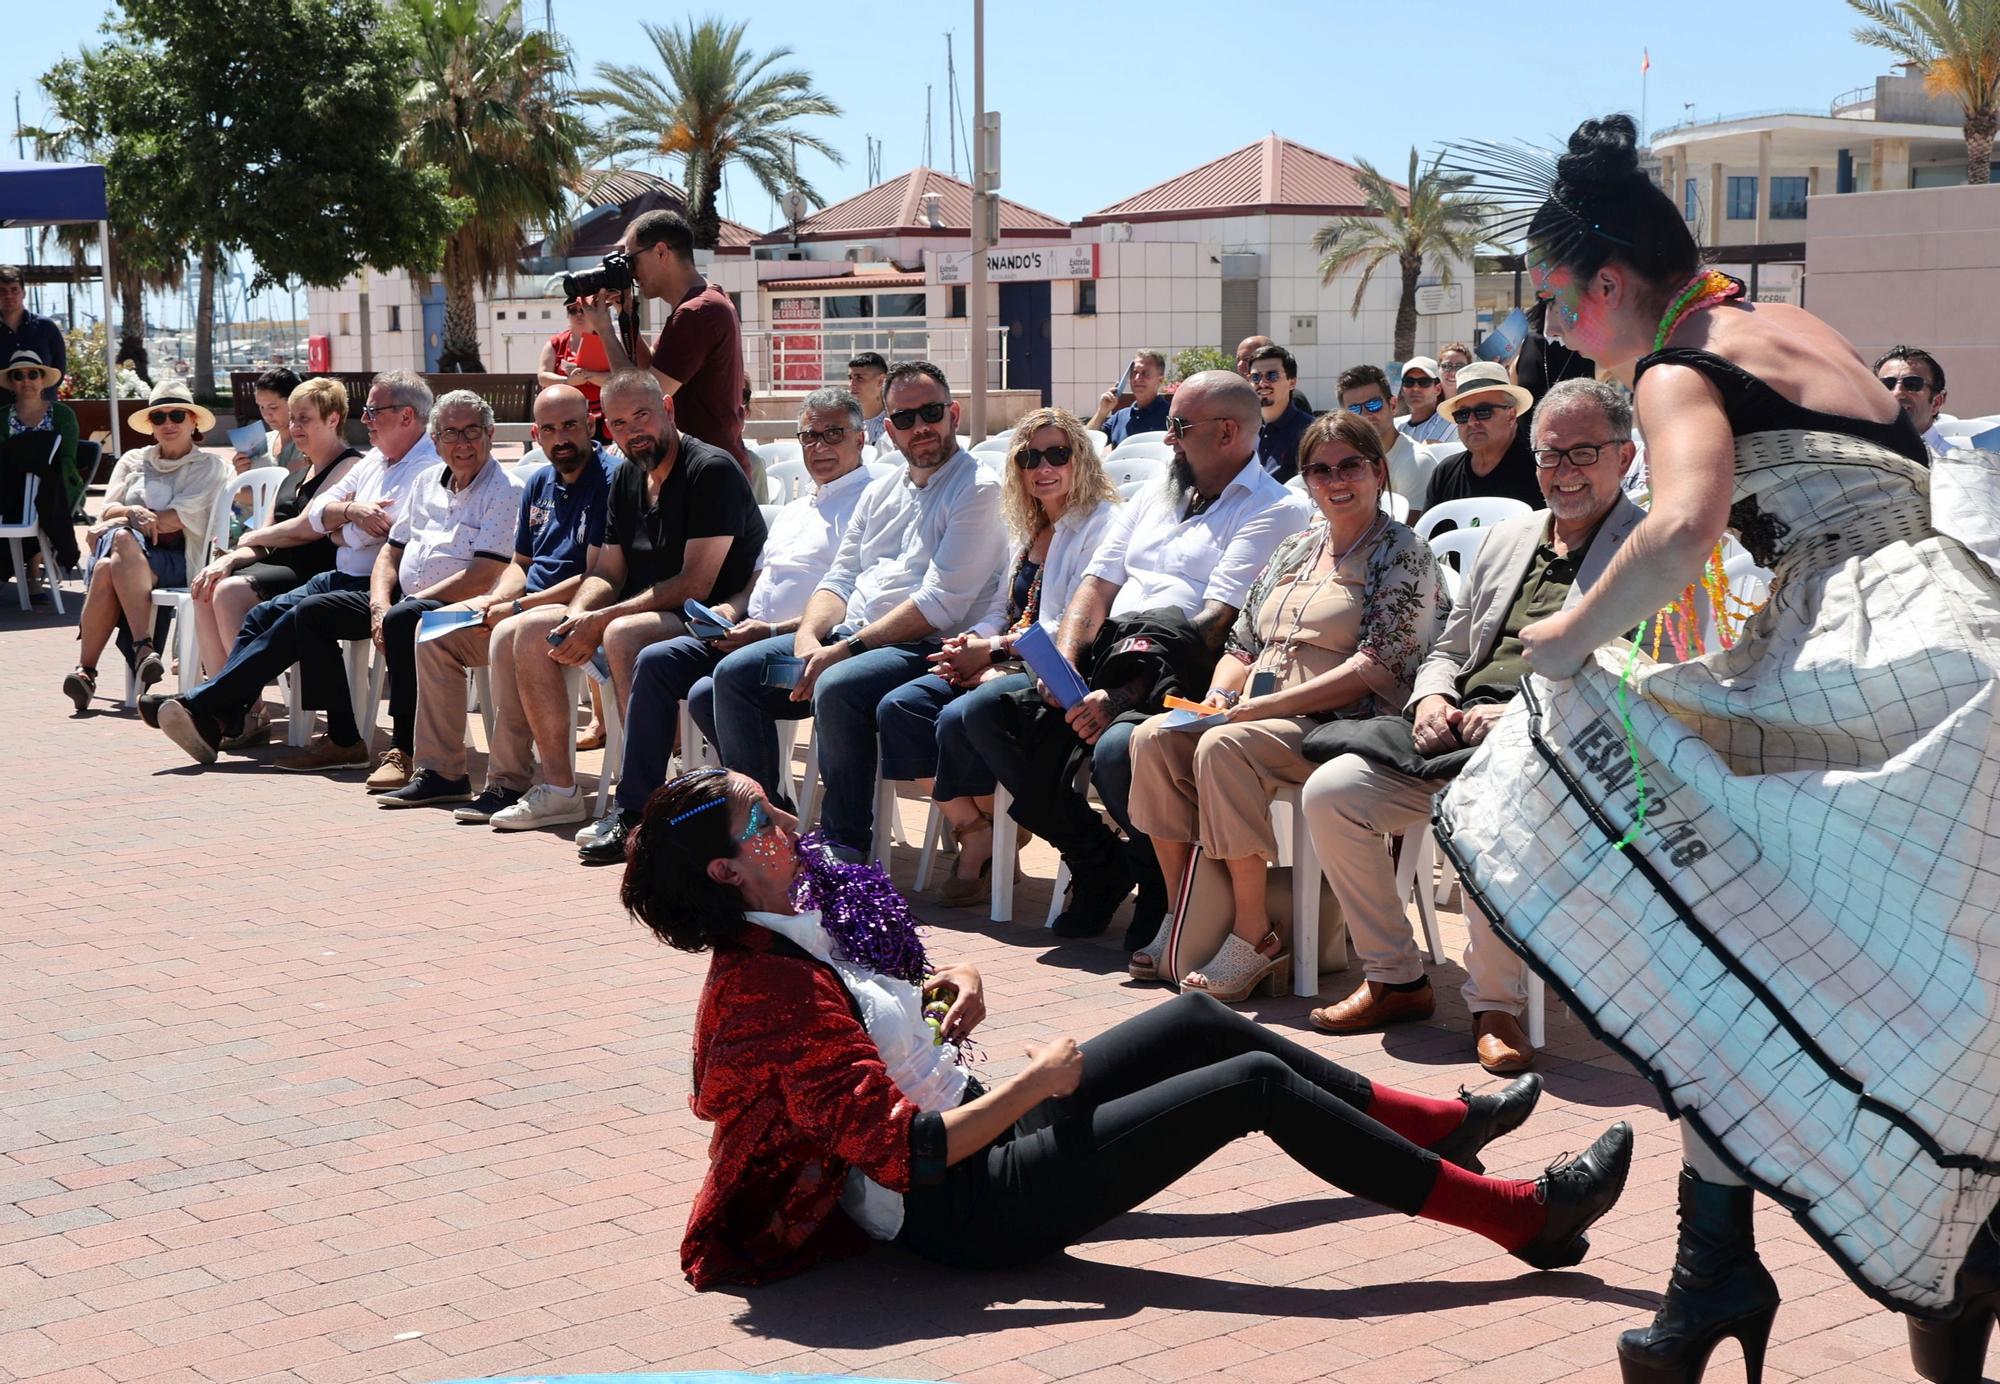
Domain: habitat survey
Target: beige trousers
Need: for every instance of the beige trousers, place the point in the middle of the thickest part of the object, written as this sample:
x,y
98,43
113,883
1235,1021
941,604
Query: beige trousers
x,y
1350,804
1216,787
440,735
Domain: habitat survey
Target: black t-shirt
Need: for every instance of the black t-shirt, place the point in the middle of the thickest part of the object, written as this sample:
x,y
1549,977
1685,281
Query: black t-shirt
x,y
1514,477
704,496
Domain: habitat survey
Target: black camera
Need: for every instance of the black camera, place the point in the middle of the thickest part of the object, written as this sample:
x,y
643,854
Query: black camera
x,y
615,273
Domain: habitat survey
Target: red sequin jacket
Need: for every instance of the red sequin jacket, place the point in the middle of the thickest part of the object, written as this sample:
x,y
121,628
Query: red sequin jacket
x,y
798,1095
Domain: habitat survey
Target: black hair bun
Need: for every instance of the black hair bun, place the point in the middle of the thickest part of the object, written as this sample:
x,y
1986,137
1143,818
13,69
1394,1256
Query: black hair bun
x,y
1600,152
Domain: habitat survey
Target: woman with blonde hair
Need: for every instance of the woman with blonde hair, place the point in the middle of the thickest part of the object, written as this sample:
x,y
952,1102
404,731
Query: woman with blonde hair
x,y
1339,620
1058,502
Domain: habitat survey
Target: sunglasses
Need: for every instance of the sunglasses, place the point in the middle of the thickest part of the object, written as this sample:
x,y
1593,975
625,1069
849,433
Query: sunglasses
x,y
169,415
1915,384
1033,458
1480,411
1347,472
1265,376
23,376
1418,381
1179,427
903,419
1371,406
1583,454
825,437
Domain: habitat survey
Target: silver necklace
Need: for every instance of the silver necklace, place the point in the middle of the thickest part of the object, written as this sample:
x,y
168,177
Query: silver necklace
x,y
1283,649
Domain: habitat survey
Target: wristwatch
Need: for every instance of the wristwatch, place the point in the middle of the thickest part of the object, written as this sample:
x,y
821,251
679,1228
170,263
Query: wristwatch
x,y
517,605
855,646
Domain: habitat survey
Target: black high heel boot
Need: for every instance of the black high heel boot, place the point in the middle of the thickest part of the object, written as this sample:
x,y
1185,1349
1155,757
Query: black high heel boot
x,y
1720,1288
1952,1350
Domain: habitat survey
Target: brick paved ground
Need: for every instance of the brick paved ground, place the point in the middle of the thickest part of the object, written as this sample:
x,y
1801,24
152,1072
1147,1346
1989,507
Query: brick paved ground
x,y
300,1090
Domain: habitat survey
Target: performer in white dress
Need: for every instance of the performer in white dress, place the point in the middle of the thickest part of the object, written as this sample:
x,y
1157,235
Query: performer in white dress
x,y
1793,926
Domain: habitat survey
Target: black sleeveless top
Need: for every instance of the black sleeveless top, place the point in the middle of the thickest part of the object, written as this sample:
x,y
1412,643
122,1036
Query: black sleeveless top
x,y
1753,406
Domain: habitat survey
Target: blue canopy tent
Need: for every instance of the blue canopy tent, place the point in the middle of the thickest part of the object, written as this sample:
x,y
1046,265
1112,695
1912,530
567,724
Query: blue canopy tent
x,y
66,194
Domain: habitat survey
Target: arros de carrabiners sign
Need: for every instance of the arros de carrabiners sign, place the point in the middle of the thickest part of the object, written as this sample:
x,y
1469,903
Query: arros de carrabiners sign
x,y
1007,263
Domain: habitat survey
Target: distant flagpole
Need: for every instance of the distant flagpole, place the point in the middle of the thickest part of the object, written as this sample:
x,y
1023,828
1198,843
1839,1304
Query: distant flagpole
x,y
1645,67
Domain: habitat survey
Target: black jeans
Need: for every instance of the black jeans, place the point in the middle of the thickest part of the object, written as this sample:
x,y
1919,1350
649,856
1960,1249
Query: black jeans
x,y
1160,1093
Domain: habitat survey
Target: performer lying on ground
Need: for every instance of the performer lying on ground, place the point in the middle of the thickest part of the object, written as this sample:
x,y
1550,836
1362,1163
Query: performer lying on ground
x,y
841,1114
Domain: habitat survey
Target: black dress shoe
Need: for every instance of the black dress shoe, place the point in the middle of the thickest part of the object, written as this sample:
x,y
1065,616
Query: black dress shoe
x,y
1576,1193
1486,1119
195,733
603,843
149,707
428,789
1093,898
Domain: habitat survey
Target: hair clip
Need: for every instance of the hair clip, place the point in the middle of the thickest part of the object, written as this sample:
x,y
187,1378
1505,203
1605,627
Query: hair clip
x,y
712,802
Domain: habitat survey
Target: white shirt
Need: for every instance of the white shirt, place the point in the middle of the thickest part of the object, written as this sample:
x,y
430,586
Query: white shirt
x,y
372,480
443,531
1410,468
1077,537
1436,428
942,545
800,545
1158,559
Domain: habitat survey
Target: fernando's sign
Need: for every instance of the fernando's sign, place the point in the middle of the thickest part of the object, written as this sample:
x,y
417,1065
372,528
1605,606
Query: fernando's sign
x,y
1005,264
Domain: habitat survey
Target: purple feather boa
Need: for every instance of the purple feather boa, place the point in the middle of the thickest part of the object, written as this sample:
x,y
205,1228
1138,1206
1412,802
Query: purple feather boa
x,y
867,920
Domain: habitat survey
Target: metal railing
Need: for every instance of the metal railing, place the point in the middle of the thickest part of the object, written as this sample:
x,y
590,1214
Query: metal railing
x,y
806,355
1701,120
1853,100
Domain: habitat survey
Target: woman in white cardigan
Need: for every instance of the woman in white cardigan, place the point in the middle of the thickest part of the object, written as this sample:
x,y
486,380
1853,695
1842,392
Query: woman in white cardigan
x,y
156,508
1058,502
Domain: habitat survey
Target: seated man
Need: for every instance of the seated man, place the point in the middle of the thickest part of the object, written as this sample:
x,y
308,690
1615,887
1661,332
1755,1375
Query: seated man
x,y
1274,374
1488,410
1530,567
1917,380
804,536
443,544
1364,390
559,520
922,556
1192,545
680,523
356,512
1148,410
865,374
1422,388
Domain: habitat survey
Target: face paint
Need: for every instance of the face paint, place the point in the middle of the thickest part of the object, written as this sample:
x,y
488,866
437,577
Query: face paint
x,y
1557,286
761,836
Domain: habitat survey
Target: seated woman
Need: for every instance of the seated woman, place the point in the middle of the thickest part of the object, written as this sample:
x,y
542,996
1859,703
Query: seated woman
x,y
1058,502
38,438
1340,619
841,1115
156,504
288,551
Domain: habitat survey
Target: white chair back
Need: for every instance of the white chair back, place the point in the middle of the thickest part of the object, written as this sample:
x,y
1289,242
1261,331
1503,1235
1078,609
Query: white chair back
x,y
769,512
1098,440
1460,544
262,482
1130,450
1137,471
1130,438
1132,489
999,442
787,479
1397,506
1481,511
786,449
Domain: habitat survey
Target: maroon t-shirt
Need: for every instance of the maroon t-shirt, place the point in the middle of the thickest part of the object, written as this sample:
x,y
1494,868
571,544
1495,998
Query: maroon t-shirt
x,y
702,347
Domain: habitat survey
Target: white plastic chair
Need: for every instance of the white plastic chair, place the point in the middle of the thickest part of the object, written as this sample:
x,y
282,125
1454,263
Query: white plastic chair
x,y
999,442
1130,450
176,598
1145,437
785,449
481,692
769,512
30,526
889,829
1133,471
787,479
1459,543
1397,506
1098,440
1481,511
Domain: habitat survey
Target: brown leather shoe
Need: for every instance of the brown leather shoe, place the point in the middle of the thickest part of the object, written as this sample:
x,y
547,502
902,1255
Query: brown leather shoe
x,y
321,754
392,771
1503,1048
1375,1005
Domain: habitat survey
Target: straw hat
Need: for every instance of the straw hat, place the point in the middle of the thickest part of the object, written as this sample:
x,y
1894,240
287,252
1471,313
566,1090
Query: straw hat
x,y
172,393
28,360
1484,377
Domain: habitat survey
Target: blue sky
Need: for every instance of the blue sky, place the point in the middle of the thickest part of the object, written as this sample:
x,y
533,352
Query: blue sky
x,y
1098,102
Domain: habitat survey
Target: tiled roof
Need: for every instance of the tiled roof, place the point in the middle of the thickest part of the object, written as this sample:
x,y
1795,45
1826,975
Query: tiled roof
x,y
853,283
896,207
627,192
1272,175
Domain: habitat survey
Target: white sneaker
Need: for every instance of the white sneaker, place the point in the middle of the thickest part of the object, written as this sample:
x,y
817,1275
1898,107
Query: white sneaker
x,y
542,806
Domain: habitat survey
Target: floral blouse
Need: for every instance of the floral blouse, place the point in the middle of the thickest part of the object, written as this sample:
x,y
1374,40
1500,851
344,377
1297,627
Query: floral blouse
x,y
1403,610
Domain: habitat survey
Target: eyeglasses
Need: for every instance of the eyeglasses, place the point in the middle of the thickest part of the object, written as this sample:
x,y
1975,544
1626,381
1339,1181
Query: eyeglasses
x,y
1347,472
1583,454
1178,426
574,309
1418,381
23,376
1480,411
377,410
1370,406
168,415
1265,376
903,419
1913,383
825,437
1032,458
475,432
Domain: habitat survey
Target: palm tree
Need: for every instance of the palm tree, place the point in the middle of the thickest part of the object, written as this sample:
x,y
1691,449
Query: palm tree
x,y
484,107
1433,220
1957,44
712,102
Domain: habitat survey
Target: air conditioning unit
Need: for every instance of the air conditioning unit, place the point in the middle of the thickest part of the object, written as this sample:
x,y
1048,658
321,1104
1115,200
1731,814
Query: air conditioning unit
x,y
862,254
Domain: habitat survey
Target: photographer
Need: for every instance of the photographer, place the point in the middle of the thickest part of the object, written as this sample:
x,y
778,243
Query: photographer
x,y
699,356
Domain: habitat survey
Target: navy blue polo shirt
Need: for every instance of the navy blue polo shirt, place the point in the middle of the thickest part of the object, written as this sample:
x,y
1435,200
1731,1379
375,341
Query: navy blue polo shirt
x,y
1278,442
1133,419
560,523
37,334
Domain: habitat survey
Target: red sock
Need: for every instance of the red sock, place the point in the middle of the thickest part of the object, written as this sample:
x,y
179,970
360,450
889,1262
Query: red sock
x,y
1504,1210
1420,1119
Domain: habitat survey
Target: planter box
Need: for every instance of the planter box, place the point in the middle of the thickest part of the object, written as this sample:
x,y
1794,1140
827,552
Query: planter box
x,y
94,415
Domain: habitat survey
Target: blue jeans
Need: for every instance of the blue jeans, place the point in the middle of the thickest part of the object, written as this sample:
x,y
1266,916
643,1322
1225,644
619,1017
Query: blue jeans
x,y
843,710
269,643
665,673
923,725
